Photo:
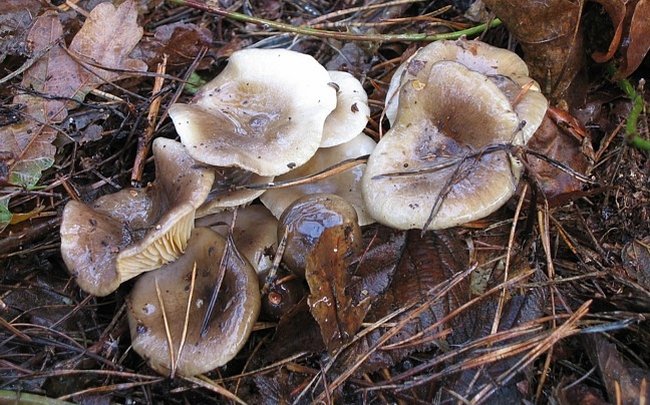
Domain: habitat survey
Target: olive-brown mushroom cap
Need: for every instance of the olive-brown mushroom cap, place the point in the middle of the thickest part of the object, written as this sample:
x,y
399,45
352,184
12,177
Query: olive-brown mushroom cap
x,y
236,310
264,113
222,196
346,184
351,114
255,233
455,113
306,219
123,234
479,57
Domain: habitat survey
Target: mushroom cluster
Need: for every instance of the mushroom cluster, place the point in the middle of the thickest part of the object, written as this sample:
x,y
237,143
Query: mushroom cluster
x,y
268,113
454,107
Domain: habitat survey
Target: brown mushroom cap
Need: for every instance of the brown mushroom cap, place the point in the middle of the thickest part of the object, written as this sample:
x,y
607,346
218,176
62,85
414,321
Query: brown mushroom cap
x,y
255,233
235,312
222,196
264,113
123,234
454,113
351,114
305,220
346,184
479,57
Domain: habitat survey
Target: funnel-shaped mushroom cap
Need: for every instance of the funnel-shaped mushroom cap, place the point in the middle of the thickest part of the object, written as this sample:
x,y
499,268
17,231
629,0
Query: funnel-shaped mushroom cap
x,y
138,229
351,114
346,184
235,312
222,196
255,233
264,113
455,113
474,55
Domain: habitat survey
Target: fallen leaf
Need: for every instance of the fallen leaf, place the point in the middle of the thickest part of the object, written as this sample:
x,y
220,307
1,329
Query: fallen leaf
x,y
636,260
550,35
638,42
180,41
55,79
556,140
337,312
15,19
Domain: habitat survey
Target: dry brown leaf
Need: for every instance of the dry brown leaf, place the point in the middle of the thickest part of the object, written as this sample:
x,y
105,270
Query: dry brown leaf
x,y
15,19
638,42
338,313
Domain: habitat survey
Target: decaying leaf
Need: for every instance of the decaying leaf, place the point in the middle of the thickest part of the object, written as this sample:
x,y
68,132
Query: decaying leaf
x,y
423,264
56,82
636,259
180,41
338,313
557,140
550,35
15,19
631,35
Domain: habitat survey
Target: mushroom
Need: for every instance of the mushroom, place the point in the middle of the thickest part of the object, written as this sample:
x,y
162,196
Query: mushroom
x,y
306,219
264,113
346,184
121,235
224,193
441,136
254,233
479,57
351,114
167,308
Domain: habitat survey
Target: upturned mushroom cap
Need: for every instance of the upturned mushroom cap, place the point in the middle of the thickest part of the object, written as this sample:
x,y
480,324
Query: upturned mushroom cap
x,y
264,113
476,56
255,233
351,114
235,312
222,196
452,114
346,184
123,234
306,219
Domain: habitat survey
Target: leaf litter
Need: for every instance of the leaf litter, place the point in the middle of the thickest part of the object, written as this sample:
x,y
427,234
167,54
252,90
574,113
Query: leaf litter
x,y
565,284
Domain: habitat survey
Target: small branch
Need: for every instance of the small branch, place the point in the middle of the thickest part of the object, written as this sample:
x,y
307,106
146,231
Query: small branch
x,y
212,7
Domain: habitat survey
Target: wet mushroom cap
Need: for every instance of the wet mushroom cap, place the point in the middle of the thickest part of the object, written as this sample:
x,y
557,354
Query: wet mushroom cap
x,y
123,234
351,114
455,113
474,55
254,233
236,310
264,113
346,184
306,219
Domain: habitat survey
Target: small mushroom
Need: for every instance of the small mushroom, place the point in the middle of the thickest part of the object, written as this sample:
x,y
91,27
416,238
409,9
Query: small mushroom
x,y
121,235
304,222
443,122
479,57
351,114
158,308
346,184
222,196
264,113
255,233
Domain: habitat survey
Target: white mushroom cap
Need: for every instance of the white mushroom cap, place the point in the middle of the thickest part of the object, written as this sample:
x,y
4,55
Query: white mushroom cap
x,y
255,233
236,310
351,114
123,234
264,113
475,55
346,184
222,196
452,114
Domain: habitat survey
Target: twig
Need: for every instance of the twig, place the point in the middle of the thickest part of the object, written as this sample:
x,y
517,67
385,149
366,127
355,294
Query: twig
x,y
145,141
211,7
